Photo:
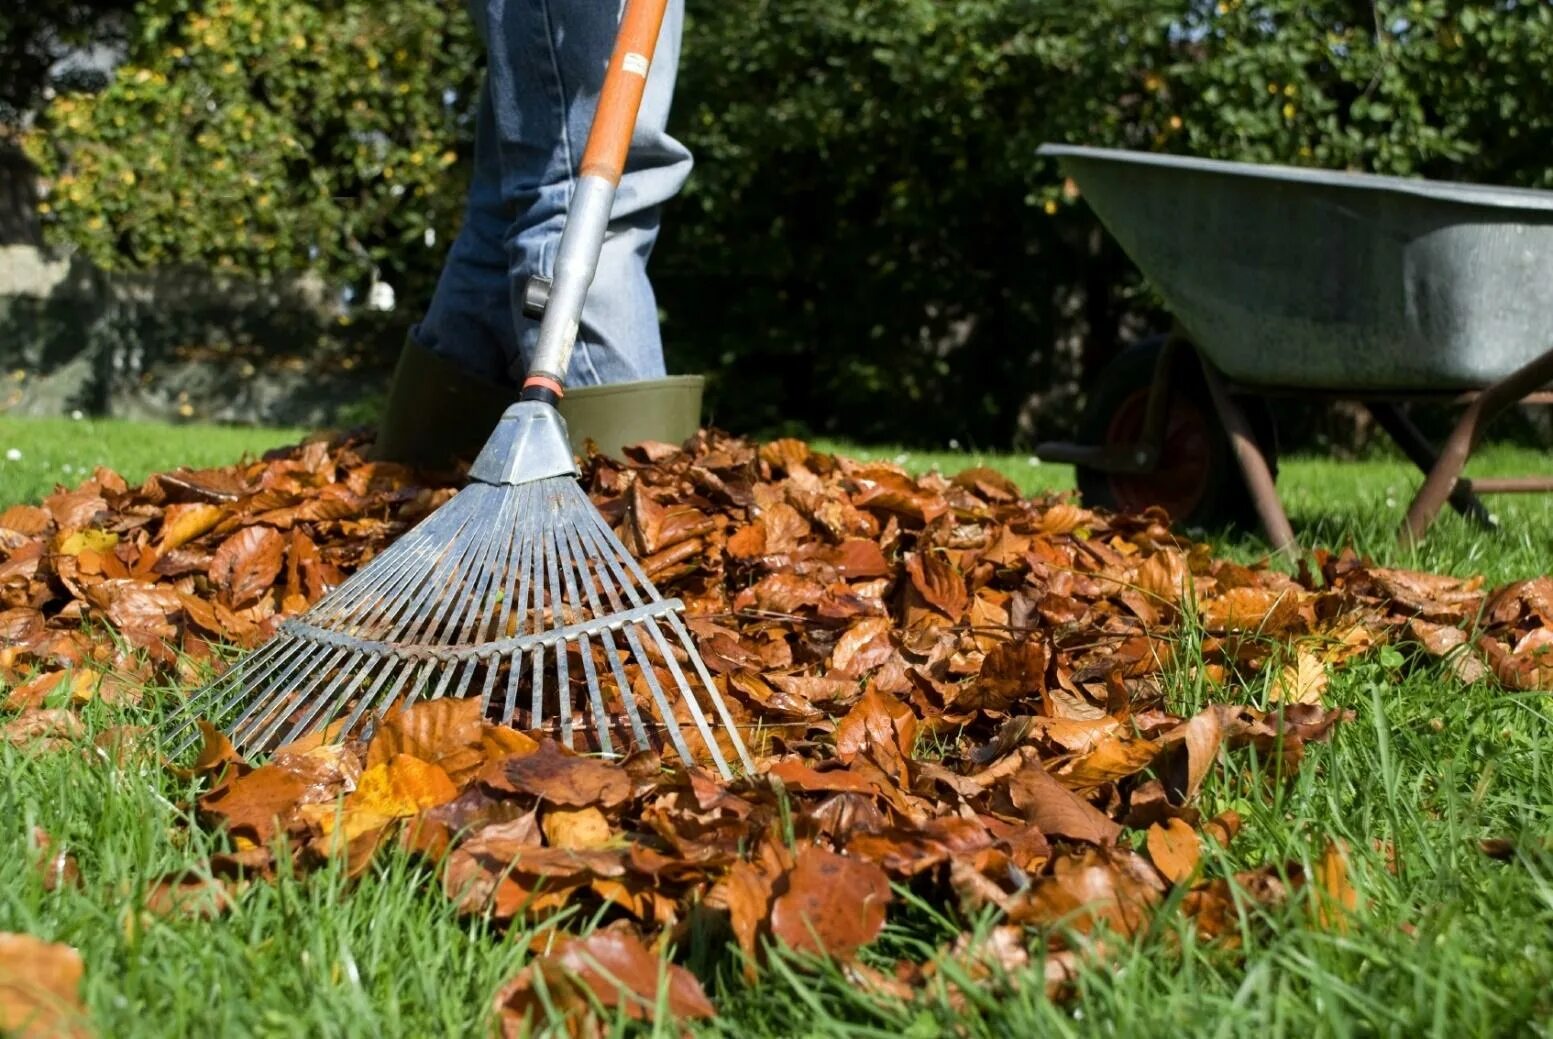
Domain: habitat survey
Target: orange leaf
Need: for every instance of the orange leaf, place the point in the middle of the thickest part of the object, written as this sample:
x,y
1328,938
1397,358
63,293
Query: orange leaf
x,y
561,777
1336,897
183,523
40,989
1174,848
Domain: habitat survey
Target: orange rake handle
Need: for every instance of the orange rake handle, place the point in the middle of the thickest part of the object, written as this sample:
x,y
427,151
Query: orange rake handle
x,y
624,83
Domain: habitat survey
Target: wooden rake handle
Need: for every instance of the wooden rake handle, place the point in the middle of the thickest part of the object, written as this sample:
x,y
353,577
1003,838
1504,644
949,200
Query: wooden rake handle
x,y
624,83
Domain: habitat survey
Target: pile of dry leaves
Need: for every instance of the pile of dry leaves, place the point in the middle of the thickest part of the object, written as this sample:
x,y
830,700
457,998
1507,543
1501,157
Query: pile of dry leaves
x,y
958,689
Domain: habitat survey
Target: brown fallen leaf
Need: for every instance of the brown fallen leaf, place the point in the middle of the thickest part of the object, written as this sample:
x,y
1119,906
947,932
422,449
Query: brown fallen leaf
x,y
610,968
1056,810
253,806
40,989
561,778
829,903
247,563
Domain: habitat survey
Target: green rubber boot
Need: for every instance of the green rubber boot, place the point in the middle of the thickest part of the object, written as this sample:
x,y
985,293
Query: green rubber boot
x,y
437,412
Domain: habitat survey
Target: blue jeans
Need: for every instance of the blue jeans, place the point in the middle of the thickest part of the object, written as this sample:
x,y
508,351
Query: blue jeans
x,y
546,62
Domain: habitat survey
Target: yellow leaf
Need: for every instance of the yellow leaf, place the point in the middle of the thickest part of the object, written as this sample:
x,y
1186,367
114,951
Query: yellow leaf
x,y
397,788
580,829
78,541
1300,682
401,786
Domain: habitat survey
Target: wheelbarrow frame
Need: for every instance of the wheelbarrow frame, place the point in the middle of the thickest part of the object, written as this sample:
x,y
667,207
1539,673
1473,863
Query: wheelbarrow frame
x,y
1443,467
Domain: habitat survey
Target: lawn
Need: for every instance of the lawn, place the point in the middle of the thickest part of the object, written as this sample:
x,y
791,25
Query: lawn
x,y
1444,940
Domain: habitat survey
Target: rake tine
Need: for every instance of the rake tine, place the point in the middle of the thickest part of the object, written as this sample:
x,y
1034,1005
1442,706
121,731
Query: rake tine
x,y
665,710
183,730
563,687
274,697
535,581
461,624
505,578
627,697
613,561
574,561
711,689
391,667
388,571
276,717
690,701
520,604
536,677
620,556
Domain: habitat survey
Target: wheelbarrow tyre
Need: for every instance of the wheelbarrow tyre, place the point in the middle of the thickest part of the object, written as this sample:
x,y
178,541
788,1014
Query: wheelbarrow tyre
x,y
1199,480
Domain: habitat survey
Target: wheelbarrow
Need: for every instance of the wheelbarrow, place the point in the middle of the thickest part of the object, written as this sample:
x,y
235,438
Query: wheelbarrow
x,y
1314,284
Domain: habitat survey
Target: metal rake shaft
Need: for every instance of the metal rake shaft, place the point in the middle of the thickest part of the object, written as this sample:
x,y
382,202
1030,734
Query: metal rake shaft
x,y
518,591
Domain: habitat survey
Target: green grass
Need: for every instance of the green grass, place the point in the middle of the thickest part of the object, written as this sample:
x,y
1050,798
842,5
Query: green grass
x,y
1450,943
37,454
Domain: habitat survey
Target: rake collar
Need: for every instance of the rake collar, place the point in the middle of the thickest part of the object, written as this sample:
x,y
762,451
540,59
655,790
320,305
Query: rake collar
x,y
530,443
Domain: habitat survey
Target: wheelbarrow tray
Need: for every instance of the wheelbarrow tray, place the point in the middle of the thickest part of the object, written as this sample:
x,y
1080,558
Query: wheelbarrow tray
x,y
1314,280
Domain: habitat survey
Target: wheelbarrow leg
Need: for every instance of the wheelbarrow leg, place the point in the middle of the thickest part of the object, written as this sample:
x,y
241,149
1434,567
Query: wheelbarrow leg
x,y
1407,436
1253,464
1458,447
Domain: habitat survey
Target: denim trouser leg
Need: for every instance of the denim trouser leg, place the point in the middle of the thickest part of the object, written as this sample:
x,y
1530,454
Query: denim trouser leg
x,y
546,66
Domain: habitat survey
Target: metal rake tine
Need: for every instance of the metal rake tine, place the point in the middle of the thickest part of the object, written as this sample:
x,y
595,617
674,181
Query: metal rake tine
x,y
536,678
259,729
370,700
587,538
683,632
612,560
570,564
563,685
509,571
514,670
665,709
690,700
247,674
462,622
262,729
502,566
367,587
535,582
444,593
212,702
622,555
398,584
575,561
269,693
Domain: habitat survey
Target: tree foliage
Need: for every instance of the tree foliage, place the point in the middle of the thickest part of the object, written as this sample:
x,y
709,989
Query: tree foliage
x,y
269,135
869,244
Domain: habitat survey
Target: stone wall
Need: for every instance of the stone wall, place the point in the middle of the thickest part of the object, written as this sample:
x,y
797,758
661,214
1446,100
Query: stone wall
x,y
183,344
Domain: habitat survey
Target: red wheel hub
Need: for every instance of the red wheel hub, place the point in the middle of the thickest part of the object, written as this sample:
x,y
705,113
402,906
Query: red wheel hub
x,y
1181,478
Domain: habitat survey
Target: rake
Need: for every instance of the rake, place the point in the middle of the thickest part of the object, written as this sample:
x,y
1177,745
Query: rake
x,y
516,587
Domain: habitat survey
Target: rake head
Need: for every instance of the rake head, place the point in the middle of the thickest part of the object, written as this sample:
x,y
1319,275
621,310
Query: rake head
x,y
515,590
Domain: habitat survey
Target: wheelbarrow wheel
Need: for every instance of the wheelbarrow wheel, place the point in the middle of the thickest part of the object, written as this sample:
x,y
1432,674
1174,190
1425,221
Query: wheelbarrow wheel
x,y
1197,481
